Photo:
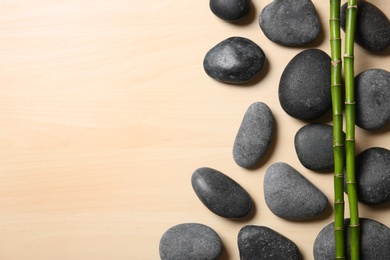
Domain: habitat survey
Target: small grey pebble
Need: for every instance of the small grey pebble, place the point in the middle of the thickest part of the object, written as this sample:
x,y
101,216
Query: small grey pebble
x,y
314,146
372,97
372,26
254,135
235,60
230,10
290,22
221,194
289,195
304,87
374,241
259,242
373,176
190,241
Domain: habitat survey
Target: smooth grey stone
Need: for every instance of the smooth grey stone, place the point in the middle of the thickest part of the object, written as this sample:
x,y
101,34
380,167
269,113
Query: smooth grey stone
x,y
314,147
304,87
372,97
235,60
190,241
374,241
254,135
221,194
259,242
230,10
290,22
372,31
373,176
289,195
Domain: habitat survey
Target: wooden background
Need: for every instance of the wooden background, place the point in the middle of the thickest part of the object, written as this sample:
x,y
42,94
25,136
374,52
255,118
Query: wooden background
x,y
105,112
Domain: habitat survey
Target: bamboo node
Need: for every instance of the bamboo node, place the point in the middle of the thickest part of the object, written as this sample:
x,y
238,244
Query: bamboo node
x,y
349,103
354,225
339,202
335,62
350,139
334,19
338,228
339,257
339,176
352,6
349,56
350,182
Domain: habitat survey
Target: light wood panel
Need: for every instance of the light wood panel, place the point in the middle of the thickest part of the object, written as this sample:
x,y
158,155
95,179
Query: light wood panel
x,y
105,112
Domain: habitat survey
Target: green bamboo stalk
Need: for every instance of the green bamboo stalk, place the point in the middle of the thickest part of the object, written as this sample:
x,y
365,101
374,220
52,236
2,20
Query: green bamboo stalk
x,y
338,138
350,128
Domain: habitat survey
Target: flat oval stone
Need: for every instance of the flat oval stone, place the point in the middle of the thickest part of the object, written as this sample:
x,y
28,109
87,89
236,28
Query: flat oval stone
x,y
374,241
373,176
230,10
254,135
314,147
372,97
221,194
234,60
290,22
372,31
304,87
190,241
259,242
289,195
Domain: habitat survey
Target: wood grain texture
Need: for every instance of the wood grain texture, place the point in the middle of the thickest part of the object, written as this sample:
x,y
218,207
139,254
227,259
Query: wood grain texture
x,y
105,112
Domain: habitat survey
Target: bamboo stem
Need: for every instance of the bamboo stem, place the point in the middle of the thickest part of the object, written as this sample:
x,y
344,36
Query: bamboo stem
x,y
338,138
350,128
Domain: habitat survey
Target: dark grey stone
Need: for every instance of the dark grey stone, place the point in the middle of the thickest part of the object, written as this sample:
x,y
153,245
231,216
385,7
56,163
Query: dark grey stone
x,y
230,10
234,60
314,147
289,195
372,96
259,242
372,31
190,241
221,194
254,135
373,176
304,87
374,241
290,22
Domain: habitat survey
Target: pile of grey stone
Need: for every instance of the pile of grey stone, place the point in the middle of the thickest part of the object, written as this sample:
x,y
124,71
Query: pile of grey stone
x,y
304,93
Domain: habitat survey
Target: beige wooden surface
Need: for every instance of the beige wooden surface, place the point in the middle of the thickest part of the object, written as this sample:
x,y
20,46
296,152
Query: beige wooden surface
x,y
105,112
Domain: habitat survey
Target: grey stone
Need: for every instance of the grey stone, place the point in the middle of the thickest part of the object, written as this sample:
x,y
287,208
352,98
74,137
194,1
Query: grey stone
x,y
372,31
290,22
304,87
254,135
190,241
314,147
289,195
259,242
230,10
374,241
235,60
372,97
221,194
373,176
